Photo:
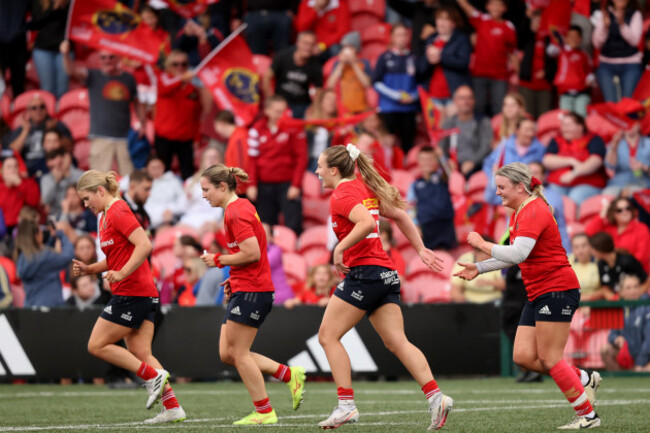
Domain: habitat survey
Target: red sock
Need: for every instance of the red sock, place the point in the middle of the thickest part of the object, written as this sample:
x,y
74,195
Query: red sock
x,y
146,372
169,399
571,387
263,406
346,395
283,373
430,389
577,370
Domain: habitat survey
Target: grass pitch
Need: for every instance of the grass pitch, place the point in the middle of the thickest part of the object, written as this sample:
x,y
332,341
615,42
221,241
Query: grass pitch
x,y
481,405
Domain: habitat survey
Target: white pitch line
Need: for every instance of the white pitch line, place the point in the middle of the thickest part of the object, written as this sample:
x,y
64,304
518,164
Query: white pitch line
x,y
368,414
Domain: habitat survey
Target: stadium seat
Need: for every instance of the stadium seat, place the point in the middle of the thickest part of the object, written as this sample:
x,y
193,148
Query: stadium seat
x,y
328,67
426,287
318,255
456,184
20,104
295,268
402,179
371,7
376,33
372,51
570,209
372,97
592,206
594,342
407,252
573,228
313,236
164,261
285,238
207,238
546,138
18,293
166,237
312,186
598,125
315,210
81,153
477,183
412,156
549,121
74,100
262,63
78,122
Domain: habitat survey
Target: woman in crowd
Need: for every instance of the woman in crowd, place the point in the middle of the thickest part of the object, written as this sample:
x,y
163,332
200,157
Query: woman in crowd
x,y
319,138
512,112
585,267
628,155
321,281
198,213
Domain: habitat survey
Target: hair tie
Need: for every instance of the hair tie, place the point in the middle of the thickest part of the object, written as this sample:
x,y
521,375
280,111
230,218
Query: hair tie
x,y
353,151
534,182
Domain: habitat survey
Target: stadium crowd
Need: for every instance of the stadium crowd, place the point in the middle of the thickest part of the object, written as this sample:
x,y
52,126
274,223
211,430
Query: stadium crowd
x,y
507,81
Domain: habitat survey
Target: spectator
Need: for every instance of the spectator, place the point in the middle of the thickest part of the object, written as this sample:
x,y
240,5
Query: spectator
x,y
86,292
619,219
611,265
27,139
283,290
445,65
197,39
536,69
226,15
269,21
618,28
350,76
39,266
629,348
394,79
185,249
522,146
198,212
75,219
194,270
488,287
178,112
429,196
628,155
555,200
277,161
494,55
55,183
473,142
512,112
151,18
54,139
585,267
167,200
13,42
329,19
319,138
211,291
6,298
574,159
111,91
392,157
236,154
137,194
49,20
321,281
16,192
574,73
369,146
295,69
388,245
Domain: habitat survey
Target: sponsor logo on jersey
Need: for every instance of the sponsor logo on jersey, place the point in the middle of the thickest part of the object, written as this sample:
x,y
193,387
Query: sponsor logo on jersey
x,y
371,203
106,243
255,315
357,295
232,244
545,310
389,277
127,316
236,311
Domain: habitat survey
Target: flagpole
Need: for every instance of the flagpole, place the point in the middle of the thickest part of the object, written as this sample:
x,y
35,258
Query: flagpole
x,y
67,24
219,47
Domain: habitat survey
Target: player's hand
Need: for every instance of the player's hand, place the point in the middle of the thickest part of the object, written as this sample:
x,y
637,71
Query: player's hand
x,y
338,260
208,259
114,276
251,193
227,290
430,259
469,273
293,193
475,240
79,268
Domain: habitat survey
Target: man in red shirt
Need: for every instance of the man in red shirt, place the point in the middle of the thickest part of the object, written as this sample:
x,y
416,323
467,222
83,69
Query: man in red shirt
x,y
278,160
16,192
496,41
330,19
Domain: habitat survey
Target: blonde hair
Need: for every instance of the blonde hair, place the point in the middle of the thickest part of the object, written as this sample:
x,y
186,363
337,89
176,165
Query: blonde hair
x,y
93,179
508,127
517,173
333,277
315,110
220,173
388,195
26,242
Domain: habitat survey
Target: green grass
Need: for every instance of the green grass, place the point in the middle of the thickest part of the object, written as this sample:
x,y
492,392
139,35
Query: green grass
x,y
482,405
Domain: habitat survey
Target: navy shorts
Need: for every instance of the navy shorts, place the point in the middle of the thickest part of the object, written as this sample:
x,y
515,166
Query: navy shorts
x,y
368,287
130,311
249,308
551,307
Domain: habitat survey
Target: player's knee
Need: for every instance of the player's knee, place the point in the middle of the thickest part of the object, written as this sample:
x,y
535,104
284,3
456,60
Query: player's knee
x,y
395,344
94,348
226,356
549,360
523,359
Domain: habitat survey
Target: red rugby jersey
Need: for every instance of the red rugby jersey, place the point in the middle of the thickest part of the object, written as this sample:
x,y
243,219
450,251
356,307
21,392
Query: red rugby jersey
x,y
241,222
115,227
495,41
547,267
369,251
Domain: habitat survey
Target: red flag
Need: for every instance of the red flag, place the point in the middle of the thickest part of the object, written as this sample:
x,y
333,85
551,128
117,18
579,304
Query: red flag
x,y
432,118
229,73
623,114
189,8
556,16
111,26
642,94
289,123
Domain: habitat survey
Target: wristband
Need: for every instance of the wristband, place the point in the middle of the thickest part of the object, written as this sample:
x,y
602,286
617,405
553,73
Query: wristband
x,y
217,263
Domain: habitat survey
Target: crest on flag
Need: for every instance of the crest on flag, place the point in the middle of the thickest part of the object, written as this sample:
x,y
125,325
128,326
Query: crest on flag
x,y
243,84
116,21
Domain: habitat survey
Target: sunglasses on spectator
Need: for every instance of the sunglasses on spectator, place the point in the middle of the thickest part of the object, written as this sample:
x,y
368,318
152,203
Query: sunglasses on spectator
x,y
180,64
36,107
187,269
623,209
107,57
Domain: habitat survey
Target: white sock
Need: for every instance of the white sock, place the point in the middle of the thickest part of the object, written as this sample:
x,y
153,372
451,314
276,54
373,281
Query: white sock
x,y
584,378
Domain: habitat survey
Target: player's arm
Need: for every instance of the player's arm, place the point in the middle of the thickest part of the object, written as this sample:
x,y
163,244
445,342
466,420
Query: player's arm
x,y
364,224
80,268
512,254
142,249
249,252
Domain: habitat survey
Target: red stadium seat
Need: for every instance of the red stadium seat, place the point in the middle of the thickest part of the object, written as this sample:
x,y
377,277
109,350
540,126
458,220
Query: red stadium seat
x,y
407,252
312,186
329,66
81,152
18,293
592,206
78,121
372,97
285,238
262,63
313,236
316,210
20,104
426,287
598,125
372,51
165,238
372,7
574,228
377,33
570,209
295,268
10,268
549,121
362,20
456,184
402,179
477,182
314,256
164,261
412,156
74,100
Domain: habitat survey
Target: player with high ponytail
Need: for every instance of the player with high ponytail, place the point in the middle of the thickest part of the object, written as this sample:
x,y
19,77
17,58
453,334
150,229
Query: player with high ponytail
x,y
371,285
551,284
250,293
130,314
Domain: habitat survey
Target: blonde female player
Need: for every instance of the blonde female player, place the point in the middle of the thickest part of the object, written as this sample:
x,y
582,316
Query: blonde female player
x,y
371,285
552,287
250,290
130,313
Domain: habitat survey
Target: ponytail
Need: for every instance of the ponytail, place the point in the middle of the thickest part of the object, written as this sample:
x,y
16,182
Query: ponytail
x,y
229,175
93,179
518,172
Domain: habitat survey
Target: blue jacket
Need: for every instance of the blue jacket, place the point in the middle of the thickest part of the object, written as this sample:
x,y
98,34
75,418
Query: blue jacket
x,y
431,199
40,274
636,332
454,61
396,73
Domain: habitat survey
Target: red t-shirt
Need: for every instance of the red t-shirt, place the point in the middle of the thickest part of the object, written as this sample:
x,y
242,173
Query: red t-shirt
x,y
115,227
494,43
369,251
241,222
438,87
178,109
547,267
573,68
